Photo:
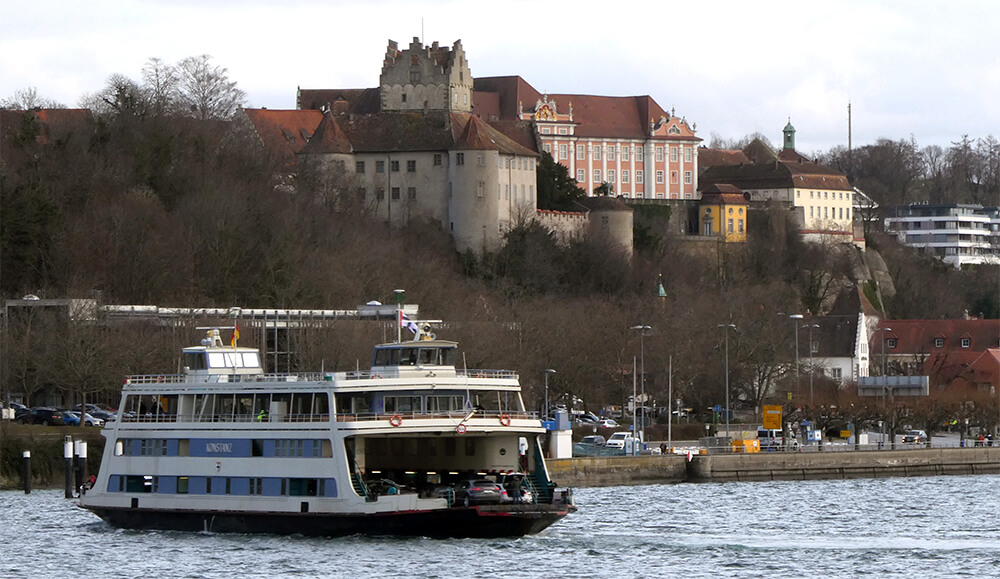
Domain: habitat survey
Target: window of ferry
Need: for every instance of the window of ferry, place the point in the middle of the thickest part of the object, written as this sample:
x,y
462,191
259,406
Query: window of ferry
x,y
445,403
396,404
195,360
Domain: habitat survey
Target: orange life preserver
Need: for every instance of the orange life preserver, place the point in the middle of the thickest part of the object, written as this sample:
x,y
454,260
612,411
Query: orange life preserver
x,y
396,420
504,420
460,429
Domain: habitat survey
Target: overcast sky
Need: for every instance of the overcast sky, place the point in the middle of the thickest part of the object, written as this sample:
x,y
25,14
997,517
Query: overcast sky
x,y
920,68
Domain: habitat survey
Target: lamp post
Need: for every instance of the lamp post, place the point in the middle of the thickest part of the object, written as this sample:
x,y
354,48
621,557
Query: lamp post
x,y
642,372
547,372
798,382
885,386
725,330
811,326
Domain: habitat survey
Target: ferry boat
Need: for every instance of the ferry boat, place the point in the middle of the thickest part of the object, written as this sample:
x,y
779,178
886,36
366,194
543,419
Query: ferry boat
x,y
410,447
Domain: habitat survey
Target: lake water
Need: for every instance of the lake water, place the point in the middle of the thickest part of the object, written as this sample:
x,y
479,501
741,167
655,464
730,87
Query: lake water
x,y
900,527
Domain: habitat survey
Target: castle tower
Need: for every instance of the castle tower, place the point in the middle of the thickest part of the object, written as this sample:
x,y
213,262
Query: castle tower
x,y
425,78
789,132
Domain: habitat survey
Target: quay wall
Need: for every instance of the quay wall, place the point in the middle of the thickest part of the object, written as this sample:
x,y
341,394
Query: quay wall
x,y
624,470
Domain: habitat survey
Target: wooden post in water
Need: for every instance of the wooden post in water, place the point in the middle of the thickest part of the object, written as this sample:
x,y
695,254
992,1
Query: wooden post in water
x,y
68,459
26,458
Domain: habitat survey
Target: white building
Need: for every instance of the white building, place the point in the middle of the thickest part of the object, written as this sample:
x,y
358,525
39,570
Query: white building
x,y
957,234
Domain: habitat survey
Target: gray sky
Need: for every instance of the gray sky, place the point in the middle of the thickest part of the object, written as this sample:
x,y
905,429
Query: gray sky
x,y
921,68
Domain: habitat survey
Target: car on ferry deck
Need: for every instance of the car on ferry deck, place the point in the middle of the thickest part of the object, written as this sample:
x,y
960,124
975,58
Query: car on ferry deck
x,y
479,492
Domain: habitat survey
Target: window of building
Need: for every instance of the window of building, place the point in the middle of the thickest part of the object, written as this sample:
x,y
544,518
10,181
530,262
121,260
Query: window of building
x,y
581,175
414,77
966,342
611,176
547,147
625,153
562,130
687,177
939,342
380,194
739,224
563,152
687,155
624,175
638,153
437,159
597,175
825,212
597,152
891,343
638,176
659,153
659,176
611,152
394,166
481,159
395,193
581,152
729,226
411,193
459,158
836,373
359,167
546,131
411,166
673,154
673,177
380,166
481,189
811,212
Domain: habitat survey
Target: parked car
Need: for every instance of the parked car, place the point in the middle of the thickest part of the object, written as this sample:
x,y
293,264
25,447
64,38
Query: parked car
x,y
517,486
607,423
587,418
15,410
44,415
914,436
72,418
769,439
479,492
97,412
620,440
595,439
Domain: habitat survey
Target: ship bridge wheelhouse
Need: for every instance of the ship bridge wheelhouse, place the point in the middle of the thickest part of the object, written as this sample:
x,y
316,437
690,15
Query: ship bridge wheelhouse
x,y
436,355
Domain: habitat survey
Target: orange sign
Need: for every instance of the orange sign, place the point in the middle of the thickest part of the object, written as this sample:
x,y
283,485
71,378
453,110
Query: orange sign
x,y
772,417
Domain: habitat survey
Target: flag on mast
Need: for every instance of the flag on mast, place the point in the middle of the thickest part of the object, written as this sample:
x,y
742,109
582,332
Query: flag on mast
x,y
407,323
236,335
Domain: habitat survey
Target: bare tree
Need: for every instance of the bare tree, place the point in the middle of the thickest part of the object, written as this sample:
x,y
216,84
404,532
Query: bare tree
x,y
27,99
206,91
161,86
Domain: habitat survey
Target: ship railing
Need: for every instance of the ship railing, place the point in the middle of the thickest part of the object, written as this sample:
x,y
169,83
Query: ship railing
x,y
164,417
494,374
499,415
229,378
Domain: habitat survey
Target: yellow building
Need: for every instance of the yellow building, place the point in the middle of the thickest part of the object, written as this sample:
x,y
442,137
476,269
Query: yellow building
x,y
722,212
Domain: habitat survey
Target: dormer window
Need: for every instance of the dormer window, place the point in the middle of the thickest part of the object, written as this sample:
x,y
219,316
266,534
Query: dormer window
x,y
966,342
939,342
891,343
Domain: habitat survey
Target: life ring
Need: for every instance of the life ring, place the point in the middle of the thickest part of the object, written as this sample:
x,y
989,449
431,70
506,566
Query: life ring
x,y
504,420
396,420
376,375
460,429
160,379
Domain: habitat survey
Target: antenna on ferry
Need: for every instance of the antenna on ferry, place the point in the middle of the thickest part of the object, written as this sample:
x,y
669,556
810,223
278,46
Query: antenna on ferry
x,y
399,315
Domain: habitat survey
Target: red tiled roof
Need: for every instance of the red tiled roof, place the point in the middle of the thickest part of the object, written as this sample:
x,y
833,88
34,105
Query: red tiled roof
x,y
361,101
284,132
715,157
917,336
329,138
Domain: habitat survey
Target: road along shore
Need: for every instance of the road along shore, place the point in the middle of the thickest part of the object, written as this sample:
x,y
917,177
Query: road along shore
x,y
677,468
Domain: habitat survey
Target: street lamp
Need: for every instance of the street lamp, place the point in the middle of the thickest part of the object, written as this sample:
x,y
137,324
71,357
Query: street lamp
x,y
642,372
811,326
885,386
547,372
798,382
725,330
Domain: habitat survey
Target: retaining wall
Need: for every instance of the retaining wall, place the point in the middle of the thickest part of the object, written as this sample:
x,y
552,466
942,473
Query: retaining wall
x,y
607,471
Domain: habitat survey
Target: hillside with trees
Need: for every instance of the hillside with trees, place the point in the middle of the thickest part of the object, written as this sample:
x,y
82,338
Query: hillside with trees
x,y
165,200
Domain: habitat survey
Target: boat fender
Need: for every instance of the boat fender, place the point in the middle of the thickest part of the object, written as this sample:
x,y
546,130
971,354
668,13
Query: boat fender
x,y
460,429
504,420
396,420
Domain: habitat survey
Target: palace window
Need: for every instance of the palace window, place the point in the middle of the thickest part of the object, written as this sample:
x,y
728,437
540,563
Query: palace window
x,y
624,175
581,175
687,154
611,176
625,153
638,176
659,153
659,176
687,177
611,152
673,154
638,153
597,152
547,147
581,152
597,175
563,152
